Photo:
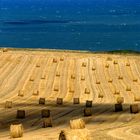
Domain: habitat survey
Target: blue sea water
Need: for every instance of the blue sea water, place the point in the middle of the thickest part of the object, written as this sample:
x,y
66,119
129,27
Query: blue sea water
x,y
95,25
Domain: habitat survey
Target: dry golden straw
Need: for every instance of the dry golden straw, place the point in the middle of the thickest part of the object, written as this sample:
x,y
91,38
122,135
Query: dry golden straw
x,y
42,101
16,130
8,104
120,100
77,124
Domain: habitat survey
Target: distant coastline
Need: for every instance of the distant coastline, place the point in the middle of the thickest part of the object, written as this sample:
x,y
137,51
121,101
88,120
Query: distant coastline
x,y
75,51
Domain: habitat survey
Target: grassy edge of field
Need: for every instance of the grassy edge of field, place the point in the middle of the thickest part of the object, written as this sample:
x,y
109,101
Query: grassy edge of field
x,y
76,51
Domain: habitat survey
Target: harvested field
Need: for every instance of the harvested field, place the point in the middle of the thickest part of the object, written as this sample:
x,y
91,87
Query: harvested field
x,y
28,76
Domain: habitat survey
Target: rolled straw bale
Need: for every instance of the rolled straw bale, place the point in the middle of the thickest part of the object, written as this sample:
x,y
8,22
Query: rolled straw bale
x,y
58,74
120,77
110,80
45,113
76,101
77,124
88,103
100,95
31,78
75,134
82,77
120,100
56,88
106,65
20,114
118,107
61,58
21,93
127,64
54,60
16,130
128,88
36,92
115,62
93,68
73,76
71,89
62,135
87,111
87,91
117,92
109,59
43,76
97,82
5,49
84,64
38,65
59,101
137,98
134,108
135,80
8,104
42,101
47,122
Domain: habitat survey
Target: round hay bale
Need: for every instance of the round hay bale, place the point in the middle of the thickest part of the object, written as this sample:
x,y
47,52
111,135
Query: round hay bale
x,y
59,101
16,130
21,93
93,68
136,98
76,101
57,74
134,108
120,100
110,80
115,62
84,64
100,95
37,65
87,91
109,59
62,135
5,49
54,60
107,66
61,58
98,82
8,104
31,78
20,114
75,134
77,124
118,107
73,76
71,89
47,122
45,113
35,92
56,88
82,78
135,80
128,88
87,111
43,77
42,101
120,77
88,103
128,64
116,92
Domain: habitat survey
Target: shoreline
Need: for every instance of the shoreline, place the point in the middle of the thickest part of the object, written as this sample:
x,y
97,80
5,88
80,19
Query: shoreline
x,y
75,51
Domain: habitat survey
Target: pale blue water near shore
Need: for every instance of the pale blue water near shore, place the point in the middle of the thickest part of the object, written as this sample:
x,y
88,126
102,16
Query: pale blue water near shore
x,y
95,25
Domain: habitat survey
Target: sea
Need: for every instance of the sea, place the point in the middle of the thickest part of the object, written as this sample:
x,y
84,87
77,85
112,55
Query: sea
x,y
89,25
